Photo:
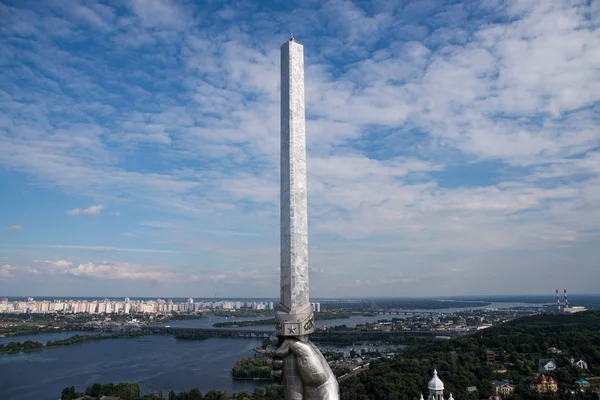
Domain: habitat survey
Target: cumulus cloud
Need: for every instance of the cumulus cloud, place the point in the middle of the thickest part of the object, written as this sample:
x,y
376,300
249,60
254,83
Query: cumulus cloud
x,y
6,272
92,210
59,263
103,249
116,271
15,228
107,270
63,263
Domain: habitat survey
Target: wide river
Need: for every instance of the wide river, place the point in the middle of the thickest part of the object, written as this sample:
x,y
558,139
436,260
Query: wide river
x,y
157,363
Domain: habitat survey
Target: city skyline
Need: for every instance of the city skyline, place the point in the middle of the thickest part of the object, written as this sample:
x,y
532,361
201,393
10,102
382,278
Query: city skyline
x,y
453,148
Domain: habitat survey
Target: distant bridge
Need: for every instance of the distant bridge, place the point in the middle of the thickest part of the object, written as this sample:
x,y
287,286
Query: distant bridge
x,y
248,333
404,312
265,333
107,326
237,333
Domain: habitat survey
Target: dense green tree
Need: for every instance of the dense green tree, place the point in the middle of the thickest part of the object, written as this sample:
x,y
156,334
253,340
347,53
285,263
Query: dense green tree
x,y
215,395
258,394
127,391
95,390
68,393
195,394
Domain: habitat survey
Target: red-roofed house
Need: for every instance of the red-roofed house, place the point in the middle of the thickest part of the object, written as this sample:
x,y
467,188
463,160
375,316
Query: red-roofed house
x,y
543,384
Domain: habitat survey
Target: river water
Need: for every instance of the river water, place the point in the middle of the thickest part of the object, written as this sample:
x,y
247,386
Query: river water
x,y
157,363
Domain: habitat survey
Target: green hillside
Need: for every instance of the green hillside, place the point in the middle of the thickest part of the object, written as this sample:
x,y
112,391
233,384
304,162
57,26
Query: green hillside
x,y
460,362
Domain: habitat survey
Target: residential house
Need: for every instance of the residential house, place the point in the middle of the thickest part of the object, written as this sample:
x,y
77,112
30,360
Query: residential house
x,y
490,355
543,384
554,350
581,363
503,387
546,364
471,389
582,384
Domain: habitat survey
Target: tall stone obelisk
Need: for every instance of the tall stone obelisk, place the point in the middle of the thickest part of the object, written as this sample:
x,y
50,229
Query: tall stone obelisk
x,y
294,313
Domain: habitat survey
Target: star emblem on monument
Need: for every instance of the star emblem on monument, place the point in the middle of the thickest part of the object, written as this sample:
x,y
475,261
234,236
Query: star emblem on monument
x,y
292,329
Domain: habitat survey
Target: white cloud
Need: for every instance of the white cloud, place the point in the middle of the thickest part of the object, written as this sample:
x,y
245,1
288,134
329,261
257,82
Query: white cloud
x,y
92,210
159,13
59,263
63,263
15,228
101,249
116,271
5,272
97,270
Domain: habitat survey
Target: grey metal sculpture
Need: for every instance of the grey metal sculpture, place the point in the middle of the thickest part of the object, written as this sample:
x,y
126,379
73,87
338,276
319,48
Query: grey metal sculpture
x,y
296,362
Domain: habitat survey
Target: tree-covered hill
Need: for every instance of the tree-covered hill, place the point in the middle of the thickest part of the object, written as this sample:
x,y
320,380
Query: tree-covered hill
x,y
460,362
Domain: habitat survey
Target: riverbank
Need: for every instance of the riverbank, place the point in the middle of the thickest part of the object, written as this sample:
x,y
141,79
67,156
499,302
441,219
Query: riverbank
x,y
28,345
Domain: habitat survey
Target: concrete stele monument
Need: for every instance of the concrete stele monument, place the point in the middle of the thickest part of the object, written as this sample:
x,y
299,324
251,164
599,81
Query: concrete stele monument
x,y
295,314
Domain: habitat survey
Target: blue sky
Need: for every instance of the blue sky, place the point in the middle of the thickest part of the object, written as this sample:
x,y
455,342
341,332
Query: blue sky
x,y
453,147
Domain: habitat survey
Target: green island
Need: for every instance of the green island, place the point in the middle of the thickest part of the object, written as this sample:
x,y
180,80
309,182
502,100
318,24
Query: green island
x,y
29,345
461,363
256,368
251,368
175,316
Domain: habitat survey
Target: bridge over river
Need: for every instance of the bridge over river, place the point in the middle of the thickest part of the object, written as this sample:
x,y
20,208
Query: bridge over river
x,y
265,333
414,313
237,332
